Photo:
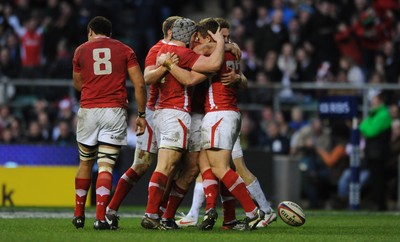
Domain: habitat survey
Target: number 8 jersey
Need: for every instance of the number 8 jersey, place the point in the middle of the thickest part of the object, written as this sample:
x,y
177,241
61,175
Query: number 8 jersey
x,y
103,64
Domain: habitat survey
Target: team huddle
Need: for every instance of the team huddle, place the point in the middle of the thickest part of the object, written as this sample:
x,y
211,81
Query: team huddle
x,y
190,125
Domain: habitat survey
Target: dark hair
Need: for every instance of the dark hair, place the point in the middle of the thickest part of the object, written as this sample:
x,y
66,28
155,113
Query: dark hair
x,y
100,25
207,24
223,23
167,24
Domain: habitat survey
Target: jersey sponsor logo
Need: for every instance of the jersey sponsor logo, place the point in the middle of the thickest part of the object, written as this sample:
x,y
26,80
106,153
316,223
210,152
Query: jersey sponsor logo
x,y
117,137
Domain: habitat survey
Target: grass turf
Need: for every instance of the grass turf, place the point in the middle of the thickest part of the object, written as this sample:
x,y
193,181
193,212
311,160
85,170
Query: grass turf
x,y
320,226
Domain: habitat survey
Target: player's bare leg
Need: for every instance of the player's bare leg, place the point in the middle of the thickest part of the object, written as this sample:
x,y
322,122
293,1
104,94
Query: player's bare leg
x,y
179,188
141,163
167,161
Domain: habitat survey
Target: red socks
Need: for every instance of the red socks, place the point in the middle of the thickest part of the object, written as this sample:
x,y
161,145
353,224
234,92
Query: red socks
x,y
81,190
210,185
228,204
125,184
236,186
175,198
157,184
103,190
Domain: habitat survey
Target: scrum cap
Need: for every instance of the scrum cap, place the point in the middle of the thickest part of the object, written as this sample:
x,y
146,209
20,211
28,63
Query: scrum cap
x,y
183,29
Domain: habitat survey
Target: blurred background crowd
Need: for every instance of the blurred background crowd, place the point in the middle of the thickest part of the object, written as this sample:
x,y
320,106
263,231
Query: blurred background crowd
x,y
282,41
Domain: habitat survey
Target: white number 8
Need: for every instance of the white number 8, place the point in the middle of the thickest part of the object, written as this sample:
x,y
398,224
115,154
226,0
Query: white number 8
x,y
102,66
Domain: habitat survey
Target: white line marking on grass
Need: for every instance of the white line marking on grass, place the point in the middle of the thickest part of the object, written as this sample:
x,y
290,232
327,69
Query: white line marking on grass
x,y
44,214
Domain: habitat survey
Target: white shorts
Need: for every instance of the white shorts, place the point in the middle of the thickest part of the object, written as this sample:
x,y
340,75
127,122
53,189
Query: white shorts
x,y
147,141
172,128
237,151
195,133
107,125
220,129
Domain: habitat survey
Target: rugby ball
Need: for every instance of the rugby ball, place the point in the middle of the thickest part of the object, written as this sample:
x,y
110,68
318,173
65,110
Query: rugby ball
x,y
291,213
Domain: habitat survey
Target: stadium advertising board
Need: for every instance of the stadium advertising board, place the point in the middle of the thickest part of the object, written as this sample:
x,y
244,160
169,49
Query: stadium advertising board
x,y
33,175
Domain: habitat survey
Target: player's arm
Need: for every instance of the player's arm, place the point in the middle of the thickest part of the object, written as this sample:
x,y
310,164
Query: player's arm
x,y
185,77
77,79
232,78
135,74
212,63
208,48
152,74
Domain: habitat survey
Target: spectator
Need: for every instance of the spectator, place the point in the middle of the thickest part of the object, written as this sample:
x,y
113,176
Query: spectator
x,y
287,12
287,65
276,143
271,37
305,70
6,137
391,62
274,74
371,34
354,74
17,130
262,17
61,67
282,124
297,120
8,68
6,117
31,43
34,135
347,43
45,125
66,136
314,173
335,158
376,128
249,61
294,33
323,25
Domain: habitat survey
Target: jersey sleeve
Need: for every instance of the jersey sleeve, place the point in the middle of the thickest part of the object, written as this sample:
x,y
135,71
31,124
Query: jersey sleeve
x,y
75,62
188,59
151,58
132,59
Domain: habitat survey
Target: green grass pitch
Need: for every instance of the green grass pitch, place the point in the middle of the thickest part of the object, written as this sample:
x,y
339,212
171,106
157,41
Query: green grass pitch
x,y
320,226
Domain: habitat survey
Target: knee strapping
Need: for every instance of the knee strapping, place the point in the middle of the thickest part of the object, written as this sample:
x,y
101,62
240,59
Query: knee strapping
x,y
237,154
105,169
86,155
108,155
143,157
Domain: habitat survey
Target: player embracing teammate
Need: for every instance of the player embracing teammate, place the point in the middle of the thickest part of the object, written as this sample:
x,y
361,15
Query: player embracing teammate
x,y
220,129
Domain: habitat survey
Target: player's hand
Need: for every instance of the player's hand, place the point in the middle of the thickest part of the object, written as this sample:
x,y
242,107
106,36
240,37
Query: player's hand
x,y
235,50
161,58
174,58
218,37
140,126
230,78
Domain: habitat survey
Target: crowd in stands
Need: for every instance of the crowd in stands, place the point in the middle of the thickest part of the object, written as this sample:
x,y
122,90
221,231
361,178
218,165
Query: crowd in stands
x,y
282,41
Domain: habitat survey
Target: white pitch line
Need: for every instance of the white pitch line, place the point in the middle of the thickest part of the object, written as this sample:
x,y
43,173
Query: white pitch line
x,y
44,214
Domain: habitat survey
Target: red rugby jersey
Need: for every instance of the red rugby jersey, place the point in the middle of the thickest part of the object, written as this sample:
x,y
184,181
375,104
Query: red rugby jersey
x,y
151,60
103,64
218,96
173,94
